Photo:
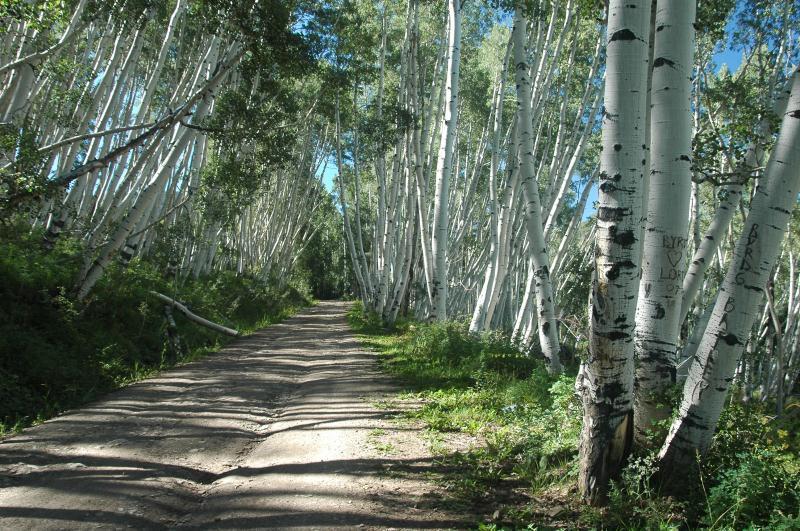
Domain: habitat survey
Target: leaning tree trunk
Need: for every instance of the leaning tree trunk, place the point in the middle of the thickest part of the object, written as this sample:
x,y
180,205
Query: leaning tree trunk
x,y
730,198
607,377
543,288
156,184
664,254
479,315
741,292
444,164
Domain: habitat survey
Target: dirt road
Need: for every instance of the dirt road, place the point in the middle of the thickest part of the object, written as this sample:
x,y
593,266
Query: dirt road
x,y
275,431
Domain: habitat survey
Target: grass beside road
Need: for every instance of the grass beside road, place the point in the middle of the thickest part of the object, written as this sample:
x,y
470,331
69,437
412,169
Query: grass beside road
x,y
523,473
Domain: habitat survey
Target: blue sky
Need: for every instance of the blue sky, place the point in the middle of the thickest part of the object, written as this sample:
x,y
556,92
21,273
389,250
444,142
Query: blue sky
x,y
729,57
328,172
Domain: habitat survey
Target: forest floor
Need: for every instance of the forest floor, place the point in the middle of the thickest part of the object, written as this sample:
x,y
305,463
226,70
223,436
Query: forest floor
x,y
291,427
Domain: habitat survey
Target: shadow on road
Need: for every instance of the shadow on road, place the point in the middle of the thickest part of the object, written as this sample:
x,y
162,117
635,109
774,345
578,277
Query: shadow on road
x,y
270,432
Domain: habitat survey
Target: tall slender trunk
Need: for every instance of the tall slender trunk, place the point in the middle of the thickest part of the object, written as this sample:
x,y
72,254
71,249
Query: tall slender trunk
x,y
479,314
144,202
667,227
543,288
735,310
444,163
607,376
730,197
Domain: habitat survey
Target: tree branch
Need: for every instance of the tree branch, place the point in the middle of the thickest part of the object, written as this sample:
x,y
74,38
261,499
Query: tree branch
x,y
193,317
87,136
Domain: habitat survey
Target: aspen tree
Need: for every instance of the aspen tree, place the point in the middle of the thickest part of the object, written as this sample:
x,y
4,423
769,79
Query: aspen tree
x,y
548,328
735,309
444,168
667,226
606,382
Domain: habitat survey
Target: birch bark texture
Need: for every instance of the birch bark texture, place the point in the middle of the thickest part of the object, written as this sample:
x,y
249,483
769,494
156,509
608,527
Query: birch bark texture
x,y
736,308
542,286
658,318
444,164
606,382
730,197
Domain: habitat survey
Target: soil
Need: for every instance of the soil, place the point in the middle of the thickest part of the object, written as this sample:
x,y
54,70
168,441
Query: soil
x,y
285,429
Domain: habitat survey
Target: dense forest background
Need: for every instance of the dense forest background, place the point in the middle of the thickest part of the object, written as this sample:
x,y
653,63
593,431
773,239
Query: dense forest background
x,y
566,222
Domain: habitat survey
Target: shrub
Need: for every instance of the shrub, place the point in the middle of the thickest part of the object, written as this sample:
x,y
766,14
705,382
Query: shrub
x,y
56,353
757,492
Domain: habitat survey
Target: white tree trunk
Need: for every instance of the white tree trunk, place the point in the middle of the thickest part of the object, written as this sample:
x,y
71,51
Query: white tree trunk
x,y
730,199
667,227
444,166
607,377
547,325
736,307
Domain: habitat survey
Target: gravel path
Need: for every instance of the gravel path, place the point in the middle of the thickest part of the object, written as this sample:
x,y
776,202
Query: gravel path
x,y
275,431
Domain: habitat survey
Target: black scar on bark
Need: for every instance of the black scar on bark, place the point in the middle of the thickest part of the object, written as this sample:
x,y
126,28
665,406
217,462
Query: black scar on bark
x,y
607,187
690,422
623,35
613,390
613,272
660,312
730,339
661,61
625,238
795,113
614,335
611,213
599,301
617,147
546,327
597,316
607,114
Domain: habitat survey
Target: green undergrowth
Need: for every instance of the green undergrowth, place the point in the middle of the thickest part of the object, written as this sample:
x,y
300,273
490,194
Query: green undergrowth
x,y
523,471
525,422
56,353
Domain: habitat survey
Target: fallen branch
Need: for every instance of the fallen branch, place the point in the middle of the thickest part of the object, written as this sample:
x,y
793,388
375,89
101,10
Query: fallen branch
x,y
196,318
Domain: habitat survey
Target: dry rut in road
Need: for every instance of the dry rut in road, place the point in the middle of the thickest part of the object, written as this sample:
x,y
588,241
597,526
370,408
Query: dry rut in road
x,y
271,432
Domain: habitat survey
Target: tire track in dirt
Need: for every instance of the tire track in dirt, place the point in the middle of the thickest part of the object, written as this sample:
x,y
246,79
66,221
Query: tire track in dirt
x,y
270,432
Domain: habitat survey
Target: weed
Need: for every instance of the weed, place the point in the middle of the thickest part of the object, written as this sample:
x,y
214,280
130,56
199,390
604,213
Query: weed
x,y
529,424
58,353
384,448
757,492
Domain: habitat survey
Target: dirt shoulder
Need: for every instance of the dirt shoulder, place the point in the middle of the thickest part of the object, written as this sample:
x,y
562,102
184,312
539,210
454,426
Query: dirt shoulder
x,y
278,430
